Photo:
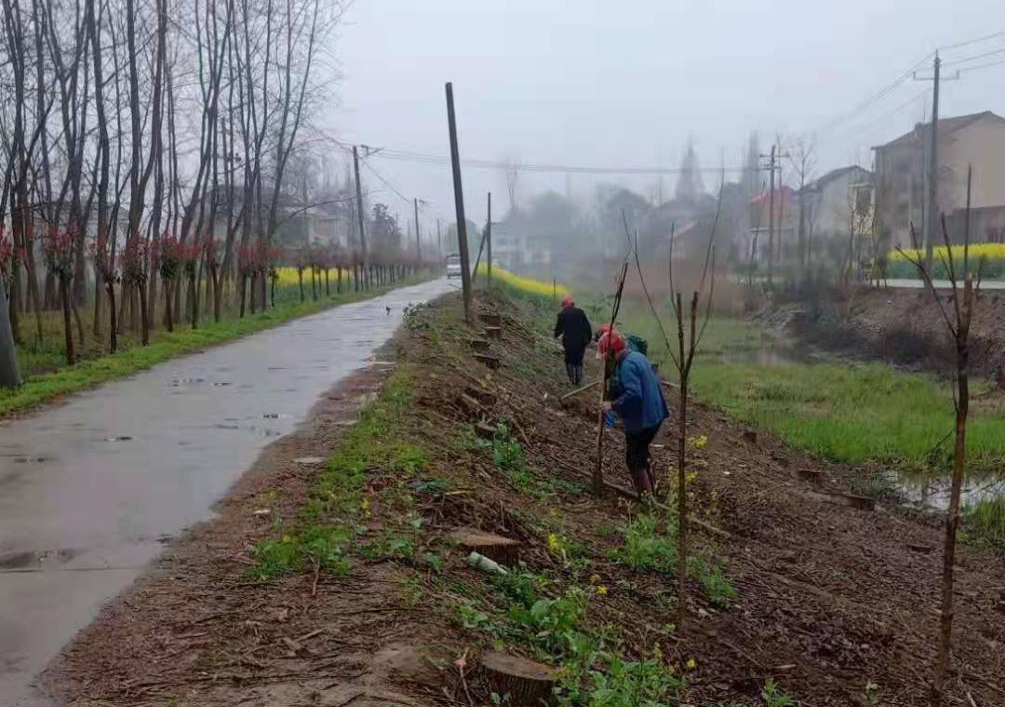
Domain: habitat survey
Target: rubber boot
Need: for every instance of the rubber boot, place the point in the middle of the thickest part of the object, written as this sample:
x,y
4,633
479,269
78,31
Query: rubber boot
x,y
578,375
569,373
641,482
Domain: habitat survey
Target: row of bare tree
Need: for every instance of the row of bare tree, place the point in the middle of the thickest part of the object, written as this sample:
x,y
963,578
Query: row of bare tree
x,y
127,122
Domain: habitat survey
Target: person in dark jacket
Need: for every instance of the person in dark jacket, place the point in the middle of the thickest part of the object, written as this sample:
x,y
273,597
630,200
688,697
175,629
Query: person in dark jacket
x,y
639,401
572,323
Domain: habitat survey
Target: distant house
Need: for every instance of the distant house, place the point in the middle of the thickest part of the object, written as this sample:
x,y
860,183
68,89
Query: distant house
x,y
839,205
515,249
758,233
901,180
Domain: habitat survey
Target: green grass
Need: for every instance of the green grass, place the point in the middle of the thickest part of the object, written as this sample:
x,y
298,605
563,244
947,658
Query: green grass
x,y
46,376
332,520
842,411
985,523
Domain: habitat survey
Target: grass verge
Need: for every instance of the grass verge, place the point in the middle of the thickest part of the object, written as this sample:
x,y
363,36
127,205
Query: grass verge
x,y
842,411
39,388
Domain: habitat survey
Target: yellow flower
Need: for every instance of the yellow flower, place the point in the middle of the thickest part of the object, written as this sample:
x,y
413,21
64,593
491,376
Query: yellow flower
x,y
699,442
601,590
595,579
554,543
691,663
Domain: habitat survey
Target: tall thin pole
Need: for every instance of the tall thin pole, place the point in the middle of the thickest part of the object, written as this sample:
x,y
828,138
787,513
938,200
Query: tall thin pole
x,y
770,227
418,239
439,235
488,240
933,217
358,201
462,225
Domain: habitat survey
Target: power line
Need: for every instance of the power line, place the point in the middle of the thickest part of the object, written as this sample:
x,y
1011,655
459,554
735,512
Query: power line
x,y
405,156
913,99
388,184
972,41
833,123
976,56
982,66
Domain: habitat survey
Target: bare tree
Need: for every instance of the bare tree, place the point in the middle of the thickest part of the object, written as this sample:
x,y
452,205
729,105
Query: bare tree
x,y
956,312
689,338
802,155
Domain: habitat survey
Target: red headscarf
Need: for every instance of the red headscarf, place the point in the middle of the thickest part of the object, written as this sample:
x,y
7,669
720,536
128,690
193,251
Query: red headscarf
x,y
610,340
567,301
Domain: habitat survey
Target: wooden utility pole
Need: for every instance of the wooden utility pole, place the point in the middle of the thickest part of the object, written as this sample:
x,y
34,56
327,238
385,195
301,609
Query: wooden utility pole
x,y
439,235
418,239
488,240
358,202
462,225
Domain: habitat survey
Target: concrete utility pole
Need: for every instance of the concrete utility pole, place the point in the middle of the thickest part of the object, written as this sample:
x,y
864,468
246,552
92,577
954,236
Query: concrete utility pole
x,y
358,201
932,217
488,239
930,226
439,235
770,221
462,225
418,239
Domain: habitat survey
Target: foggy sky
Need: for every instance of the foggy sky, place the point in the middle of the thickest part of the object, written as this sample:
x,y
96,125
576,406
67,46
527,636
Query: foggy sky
x,y
628,83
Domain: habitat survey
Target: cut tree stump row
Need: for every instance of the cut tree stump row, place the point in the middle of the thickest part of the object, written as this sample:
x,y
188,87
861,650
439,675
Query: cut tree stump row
x,y
527,682
492,319
479,345
494,332
503,550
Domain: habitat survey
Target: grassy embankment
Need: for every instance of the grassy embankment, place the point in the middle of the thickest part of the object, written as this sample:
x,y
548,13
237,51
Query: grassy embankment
x,y
46,375
550,613
862,414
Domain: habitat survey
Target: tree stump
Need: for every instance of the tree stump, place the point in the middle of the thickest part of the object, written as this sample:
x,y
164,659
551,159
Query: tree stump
x,y
479,345
490,318
527,682
490,361
485,431
494,332
469,405
502,550
487,398
811,476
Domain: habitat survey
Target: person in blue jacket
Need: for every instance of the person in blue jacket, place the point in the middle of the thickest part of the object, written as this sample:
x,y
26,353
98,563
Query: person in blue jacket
x,y
638,400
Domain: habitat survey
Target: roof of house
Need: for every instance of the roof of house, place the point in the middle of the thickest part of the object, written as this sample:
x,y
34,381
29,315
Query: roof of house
x,y
839,172
786,194
945,125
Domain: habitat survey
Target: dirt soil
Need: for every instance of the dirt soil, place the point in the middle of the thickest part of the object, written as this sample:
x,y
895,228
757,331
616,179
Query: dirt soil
x,y
831,598
902,327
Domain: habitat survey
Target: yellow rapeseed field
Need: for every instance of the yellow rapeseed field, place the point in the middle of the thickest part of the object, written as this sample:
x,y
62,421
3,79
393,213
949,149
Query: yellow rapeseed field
x,y
289,275
991,251
528,285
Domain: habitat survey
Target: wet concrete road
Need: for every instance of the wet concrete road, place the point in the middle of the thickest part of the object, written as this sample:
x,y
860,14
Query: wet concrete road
x,y
88,488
